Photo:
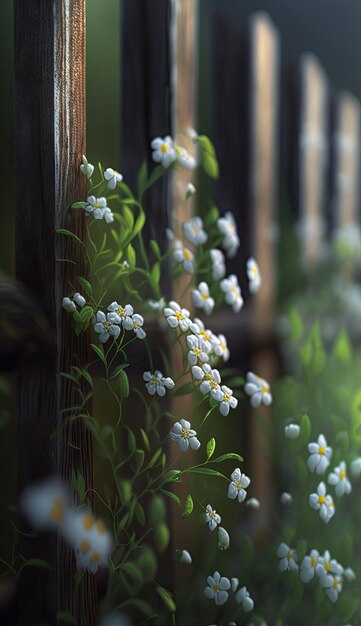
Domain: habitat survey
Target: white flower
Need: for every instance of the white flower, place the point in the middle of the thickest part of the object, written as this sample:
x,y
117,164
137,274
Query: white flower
x,y
332,586
45,504
184,436
190,190
286,499
156,305
309,565
227,400
79,299
221,348
90,540
212,517
217,588
338,478
156,383
119,314
210,380
322,502
197,327
108,216
202,299
87,168
288,558
176,316
186,160
218,264
238,485
320,455
349,574
356,467
292,431
184,557
199,349
253,503
254,276
194,232
97,207
104,326
113,177
227,226
185,258
223,538
327,565
192,134
163,150
234,584
135,323
244,599
259,390
68,305
232,292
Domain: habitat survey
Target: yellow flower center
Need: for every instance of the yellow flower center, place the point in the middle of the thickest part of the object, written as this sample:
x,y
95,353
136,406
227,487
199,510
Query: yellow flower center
x,y
121,311
164,147
88,522
85,545
335,583
95,557
204,334
135,325
265,388
254,270
214,385
185,433
226,397
154,380
197,351
238,484
321,450
321,499
178,315
106,325
204,296
216,587
223,346
100,527
330,504
343,474
327,566
97,206
313,561
213,513
57,512
186,254
289,555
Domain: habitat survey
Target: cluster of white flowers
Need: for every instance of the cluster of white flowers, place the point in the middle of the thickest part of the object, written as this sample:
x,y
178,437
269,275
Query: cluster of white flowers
x,y
166,152
218,264
227,227
70,304
156,383
97,208
47,505
194,231
109,324
329,572
218,587
258,389
232,291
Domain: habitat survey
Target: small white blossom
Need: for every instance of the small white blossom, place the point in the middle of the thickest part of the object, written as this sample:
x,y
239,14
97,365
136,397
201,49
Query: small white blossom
x,y
320,455
185,257
223,538
338,478
199,349
68,305
218,264
197,327
309,565
119,314
97,208
156,383
332,586
113,177
190,190
292,431
226,399
176,316
45,504
227,226
221,348
90,540
202,299
104,326
156,305
163,150
135,323
254,276
212,517
234,584
286,499
184,557
258,389
349,574
327,565
288,558
184,435
238,485
210,378
232,291
244,599
322,502
194,231
217,588
186,160
356,467
253,503
79,299
87,168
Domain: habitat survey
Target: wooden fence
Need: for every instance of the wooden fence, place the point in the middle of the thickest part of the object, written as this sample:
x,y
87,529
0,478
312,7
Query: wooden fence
x,y
158,95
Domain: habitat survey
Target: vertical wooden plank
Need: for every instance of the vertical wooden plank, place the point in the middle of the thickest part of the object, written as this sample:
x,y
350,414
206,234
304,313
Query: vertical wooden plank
x,y
313,154
263,187
346,149
49,141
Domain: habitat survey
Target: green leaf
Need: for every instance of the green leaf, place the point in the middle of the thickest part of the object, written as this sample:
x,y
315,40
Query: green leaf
x,y
145,439
155,457
85,284
171,495
155,248
296,325
139,514
207,155
132,442
188,507
139,223
133,570
99,351
79,205
204,470
225,457
184,389
131,256
342,348
123,382
139,458
305,433
166,598
68,233
155,272
161,537
211,446
212,216
64,616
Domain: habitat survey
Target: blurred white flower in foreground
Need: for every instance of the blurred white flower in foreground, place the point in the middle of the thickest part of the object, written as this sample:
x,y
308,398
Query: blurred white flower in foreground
x,y
258,389
244,599
232,291
332,586
338,478
186,160
184,435
185,257
202,299
253,503
217,588
320,455
288,558
212,517
45,504
194,231
356,467
156,383
156,305
227,227
163,150
91,541
221,348
218,264
176,316
292,431
254,276
190,190
113,177
238,485
322,502
286,499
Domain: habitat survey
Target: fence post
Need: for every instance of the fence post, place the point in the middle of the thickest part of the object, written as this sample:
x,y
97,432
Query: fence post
x,y
264,76
49,65
346,171
313,154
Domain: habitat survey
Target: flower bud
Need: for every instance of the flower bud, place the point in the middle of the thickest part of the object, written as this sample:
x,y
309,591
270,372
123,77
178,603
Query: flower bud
x,y
79,299
292,431
223,539
68,305
253,503
286,499
184,557
87,168
356,467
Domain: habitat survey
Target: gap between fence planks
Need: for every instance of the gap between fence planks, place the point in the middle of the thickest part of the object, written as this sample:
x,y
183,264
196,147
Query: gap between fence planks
x,y
50,129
